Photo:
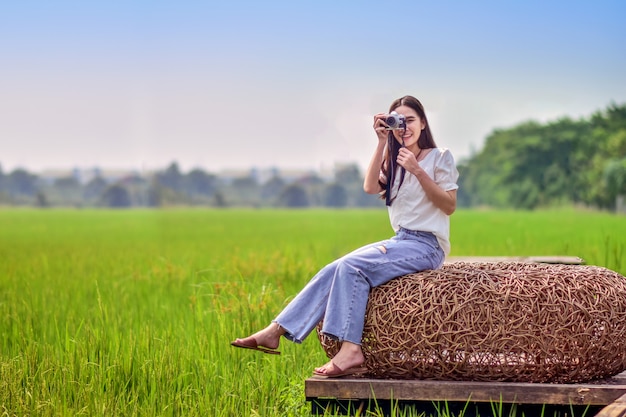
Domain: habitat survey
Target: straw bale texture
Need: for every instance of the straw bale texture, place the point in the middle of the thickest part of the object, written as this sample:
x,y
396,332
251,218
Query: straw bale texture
x,y
503,321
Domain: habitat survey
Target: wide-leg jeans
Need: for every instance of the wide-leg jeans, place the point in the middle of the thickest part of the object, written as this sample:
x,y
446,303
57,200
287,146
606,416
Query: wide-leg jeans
x,y
338,293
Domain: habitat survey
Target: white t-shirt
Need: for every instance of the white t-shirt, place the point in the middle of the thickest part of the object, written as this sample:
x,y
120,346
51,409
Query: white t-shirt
x,y
413,210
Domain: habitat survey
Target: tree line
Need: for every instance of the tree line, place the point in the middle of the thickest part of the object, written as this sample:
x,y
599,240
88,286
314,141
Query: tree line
x,y
171,186
563,162
530,165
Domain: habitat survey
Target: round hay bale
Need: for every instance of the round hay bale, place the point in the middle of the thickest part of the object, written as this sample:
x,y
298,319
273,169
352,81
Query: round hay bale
x,y
506,321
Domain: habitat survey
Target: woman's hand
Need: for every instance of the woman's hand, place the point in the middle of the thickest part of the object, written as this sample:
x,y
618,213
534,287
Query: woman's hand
x,y
371,184
407,160
380,126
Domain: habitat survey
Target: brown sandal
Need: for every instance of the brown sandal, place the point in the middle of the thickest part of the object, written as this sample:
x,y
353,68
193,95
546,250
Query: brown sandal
x,y
336,371
251,343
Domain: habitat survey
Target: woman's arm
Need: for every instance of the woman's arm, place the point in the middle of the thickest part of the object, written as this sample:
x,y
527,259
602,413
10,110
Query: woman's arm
x,y
371,184
444,200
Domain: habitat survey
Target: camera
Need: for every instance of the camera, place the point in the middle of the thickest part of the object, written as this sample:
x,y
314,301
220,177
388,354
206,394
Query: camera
x,y
395,121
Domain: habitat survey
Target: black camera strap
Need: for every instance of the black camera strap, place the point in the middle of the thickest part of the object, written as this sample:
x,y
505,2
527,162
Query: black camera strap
x,y
392,168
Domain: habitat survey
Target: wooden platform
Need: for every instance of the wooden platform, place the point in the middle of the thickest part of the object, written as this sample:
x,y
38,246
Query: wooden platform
x,y
567,260
606,398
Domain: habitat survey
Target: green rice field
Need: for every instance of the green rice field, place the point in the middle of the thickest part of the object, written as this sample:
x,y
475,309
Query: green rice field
x,y
130,313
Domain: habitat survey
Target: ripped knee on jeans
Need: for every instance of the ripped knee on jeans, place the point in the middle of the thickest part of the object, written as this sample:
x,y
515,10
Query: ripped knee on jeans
x,y
382,248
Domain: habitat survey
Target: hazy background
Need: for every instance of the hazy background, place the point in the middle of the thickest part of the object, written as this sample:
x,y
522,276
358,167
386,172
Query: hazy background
x,y
236,84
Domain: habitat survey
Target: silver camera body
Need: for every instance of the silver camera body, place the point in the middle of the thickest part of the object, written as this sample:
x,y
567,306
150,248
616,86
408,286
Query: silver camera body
x,y
395,121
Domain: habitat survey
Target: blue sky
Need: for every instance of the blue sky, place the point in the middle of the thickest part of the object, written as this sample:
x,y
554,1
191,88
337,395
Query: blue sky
x,y
238,84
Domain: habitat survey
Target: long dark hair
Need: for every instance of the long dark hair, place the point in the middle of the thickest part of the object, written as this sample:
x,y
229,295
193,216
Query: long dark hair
x,y
389,165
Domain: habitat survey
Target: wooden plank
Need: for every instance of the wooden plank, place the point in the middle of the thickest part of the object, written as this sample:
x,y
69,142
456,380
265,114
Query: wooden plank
x,y
568,260
616,409
427,390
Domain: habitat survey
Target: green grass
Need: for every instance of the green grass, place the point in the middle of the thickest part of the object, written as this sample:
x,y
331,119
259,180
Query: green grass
x,y
131,312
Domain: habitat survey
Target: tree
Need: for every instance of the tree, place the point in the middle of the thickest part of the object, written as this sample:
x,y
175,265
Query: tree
x,y
41,200
116,196
615,179
219,200
21,182
532,165
294,195
335,195
198,182
171,177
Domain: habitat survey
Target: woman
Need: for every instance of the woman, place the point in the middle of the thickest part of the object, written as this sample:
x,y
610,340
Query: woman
x,y
418,182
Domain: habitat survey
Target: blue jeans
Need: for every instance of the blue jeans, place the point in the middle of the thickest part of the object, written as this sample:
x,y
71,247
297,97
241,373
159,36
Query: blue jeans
x,y
338,293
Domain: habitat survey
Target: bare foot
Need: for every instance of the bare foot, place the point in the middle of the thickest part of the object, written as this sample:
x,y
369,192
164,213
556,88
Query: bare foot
x,y
349,356
269,337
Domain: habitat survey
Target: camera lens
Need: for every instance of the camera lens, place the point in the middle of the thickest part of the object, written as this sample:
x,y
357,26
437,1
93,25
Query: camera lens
x,y
390,120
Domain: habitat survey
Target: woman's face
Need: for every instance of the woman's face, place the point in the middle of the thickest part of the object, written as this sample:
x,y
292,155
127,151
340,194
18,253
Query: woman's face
x,y
414,127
